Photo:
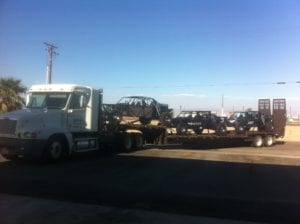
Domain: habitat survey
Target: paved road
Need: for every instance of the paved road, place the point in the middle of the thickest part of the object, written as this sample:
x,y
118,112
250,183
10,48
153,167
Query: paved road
x,y
236,183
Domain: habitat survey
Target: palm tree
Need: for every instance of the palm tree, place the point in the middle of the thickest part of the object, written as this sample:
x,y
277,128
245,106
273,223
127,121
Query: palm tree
x,y
10,94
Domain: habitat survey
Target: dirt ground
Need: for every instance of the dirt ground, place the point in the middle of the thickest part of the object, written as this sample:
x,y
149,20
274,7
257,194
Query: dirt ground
x,y
292,133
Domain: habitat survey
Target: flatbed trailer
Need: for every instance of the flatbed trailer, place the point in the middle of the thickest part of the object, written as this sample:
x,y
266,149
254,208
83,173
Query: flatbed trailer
x,y
255,138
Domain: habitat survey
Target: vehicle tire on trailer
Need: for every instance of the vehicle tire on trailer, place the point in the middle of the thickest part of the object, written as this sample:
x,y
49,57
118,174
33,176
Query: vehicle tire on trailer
x,y
127,143
257,141
221,130
182,128
198,129
269,126
55,149
240,129
269,141
166,119
138,141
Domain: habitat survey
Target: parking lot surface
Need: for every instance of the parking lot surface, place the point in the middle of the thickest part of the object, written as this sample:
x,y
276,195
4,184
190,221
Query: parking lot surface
x,y
240,183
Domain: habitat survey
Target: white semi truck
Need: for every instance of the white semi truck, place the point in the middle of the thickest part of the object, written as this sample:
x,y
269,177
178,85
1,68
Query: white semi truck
x,y
61,119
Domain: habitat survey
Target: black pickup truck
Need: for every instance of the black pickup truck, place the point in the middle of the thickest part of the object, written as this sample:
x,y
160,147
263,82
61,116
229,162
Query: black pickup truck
x,y
245,120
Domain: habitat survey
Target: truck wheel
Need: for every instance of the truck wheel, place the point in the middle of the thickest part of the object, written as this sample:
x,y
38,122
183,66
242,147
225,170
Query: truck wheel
x,y
221,130
166,119
127,142
268,140
198,130
269,127
240,129
182,128
10,157
138,141
55,149
257,141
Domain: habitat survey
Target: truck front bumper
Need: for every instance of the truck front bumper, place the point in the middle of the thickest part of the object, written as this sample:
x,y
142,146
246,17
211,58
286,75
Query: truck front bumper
x,y
24,147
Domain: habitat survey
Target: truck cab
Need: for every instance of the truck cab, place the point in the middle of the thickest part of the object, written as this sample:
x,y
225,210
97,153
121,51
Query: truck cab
x,y
58,119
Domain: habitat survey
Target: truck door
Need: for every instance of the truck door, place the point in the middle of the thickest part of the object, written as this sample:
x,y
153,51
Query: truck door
x,y
77,112
279,116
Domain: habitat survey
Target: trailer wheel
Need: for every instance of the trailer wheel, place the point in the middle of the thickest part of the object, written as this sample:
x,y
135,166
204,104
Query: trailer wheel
x,y
138,141
127,142
268,140
182,128
257,141
55,149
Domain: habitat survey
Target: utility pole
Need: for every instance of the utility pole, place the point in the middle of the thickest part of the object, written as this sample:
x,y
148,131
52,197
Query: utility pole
x,y
222,106
51,50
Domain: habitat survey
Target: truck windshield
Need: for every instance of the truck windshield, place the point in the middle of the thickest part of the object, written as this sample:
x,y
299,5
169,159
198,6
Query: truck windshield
x,y
48,100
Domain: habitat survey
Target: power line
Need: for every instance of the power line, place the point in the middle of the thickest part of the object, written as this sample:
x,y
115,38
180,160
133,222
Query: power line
x,y
207,85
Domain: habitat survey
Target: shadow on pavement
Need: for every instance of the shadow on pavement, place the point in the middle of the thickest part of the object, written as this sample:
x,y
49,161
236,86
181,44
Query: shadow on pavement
x,y
195,187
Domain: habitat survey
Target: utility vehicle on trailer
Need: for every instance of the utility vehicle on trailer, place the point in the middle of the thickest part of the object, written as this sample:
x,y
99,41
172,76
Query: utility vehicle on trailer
x,y
198,121
253,129
245,120
146,109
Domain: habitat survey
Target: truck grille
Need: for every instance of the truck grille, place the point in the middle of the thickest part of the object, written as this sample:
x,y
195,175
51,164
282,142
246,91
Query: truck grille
x,y
7,126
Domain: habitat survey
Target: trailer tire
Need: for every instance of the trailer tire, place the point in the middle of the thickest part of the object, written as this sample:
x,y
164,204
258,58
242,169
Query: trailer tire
x,y
55,149
182,129
138,141
257,141
269,141
127,143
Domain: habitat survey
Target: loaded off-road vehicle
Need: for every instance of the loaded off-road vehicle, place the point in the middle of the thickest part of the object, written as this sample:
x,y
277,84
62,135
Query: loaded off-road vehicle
x,y
198,121
143,109
244,121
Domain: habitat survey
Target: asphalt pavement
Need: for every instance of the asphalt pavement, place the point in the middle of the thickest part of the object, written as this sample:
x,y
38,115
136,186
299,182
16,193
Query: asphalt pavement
x,y
195,182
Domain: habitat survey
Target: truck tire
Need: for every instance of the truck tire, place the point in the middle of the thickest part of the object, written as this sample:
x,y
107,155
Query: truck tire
x,y
269,141
138,141
240,129
221,129
166,119
127,143
257,141
55,149
10,157
198,129
269,126
182,129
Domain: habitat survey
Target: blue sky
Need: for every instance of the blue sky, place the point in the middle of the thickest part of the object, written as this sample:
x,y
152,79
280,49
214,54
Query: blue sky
x,y
186,53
